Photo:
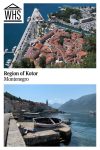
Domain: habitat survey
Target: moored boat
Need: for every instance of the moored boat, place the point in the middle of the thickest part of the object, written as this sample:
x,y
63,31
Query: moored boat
x,y
7,65
46,122
14,48
92,112
28,19
6,50
68,122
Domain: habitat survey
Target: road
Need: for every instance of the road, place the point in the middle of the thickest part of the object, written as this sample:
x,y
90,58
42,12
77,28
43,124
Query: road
x,y
6,126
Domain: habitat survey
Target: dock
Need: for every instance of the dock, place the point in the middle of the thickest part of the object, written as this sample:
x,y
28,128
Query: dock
x,y
26,134
45,136
8,53
40,138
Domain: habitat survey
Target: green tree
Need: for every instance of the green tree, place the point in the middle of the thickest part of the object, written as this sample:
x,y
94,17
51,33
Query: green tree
x,y
42,62
66,12
68,30
61,40
16,65
89,61
24,63
90,44
27,63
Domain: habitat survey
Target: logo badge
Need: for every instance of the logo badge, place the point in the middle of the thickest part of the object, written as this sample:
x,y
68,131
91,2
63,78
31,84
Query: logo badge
x,y
13,13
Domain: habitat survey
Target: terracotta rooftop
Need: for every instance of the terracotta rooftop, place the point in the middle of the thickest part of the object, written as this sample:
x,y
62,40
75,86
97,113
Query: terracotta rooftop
x,y
81,54
38,46
46,36
32,54
49,46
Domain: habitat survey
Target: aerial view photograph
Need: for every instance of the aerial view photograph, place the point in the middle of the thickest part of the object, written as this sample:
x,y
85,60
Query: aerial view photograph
x,y
62,115
53,35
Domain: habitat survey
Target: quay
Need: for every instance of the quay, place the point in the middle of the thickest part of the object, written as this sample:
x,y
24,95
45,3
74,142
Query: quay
x,y
12,135
26,134
6,126
45,136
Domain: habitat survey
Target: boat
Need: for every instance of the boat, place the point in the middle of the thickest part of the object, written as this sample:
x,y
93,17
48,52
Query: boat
x,y
14,48
6,50
30,116
68,122
44,122
92,112
7,65
28,19
9,60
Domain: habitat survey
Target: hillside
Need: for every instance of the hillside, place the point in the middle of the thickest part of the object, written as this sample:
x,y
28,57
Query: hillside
x,y
55,105
15,104
82,104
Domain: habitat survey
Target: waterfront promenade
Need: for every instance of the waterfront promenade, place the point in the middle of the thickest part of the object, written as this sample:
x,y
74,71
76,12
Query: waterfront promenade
x,y
20,48
12,135
6,126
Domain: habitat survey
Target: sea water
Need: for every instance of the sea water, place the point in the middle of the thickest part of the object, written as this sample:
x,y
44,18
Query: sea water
x,y
83,126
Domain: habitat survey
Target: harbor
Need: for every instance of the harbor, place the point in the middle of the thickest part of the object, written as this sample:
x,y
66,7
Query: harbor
x,y
81,131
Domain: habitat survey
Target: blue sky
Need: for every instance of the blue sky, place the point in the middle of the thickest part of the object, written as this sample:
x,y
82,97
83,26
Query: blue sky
x,y
58,93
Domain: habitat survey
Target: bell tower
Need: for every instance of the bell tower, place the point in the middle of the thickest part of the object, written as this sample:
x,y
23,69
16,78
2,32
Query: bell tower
x,y
47,102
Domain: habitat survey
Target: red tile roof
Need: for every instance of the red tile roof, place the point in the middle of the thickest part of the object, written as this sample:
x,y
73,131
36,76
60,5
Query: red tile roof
x,y
38,46
70,51
81,54
32,54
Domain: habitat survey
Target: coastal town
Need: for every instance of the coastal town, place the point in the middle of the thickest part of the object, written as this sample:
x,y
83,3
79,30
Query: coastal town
x,y
58,43
28,123
42,123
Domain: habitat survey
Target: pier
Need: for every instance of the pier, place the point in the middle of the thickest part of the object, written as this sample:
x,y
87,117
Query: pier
x,y
8,53
26,134
47,136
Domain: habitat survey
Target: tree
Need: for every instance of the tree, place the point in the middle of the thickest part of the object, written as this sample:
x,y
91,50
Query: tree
x,y
68,36
42,62
61,40
68,30
90,47
90,44
27,63
66,12
89,61
16,65
24,63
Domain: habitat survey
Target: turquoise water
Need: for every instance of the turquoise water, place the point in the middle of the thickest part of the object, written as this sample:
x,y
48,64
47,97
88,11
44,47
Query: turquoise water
x,y
13,32
83,129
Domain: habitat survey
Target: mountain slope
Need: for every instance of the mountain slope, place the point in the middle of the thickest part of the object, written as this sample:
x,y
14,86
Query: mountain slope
x,y
82,104
56,105
15,104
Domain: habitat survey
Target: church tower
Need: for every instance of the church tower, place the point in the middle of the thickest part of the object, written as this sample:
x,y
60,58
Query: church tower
x,y
47,102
